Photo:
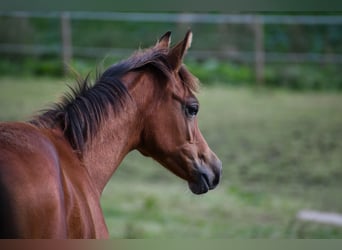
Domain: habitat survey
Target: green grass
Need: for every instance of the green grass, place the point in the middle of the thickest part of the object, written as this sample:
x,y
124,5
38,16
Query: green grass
x,y
281,151
20,98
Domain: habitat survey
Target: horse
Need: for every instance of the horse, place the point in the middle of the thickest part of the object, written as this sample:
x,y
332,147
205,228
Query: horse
x,y
55,165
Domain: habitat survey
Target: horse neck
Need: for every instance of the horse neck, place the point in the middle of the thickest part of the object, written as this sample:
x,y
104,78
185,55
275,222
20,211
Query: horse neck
x,y
118,135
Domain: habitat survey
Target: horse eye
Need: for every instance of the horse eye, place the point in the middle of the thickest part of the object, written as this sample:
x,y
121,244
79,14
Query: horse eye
x,y
191,110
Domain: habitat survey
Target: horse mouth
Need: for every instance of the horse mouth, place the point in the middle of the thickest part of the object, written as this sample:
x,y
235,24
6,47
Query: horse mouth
x,y
201,186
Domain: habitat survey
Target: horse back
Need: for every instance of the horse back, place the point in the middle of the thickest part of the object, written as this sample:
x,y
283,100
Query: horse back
x,y
30,185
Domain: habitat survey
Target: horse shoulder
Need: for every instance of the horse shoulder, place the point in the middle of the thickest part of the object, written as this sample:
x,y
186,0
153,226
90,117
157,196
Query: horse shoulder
x,y
46,191
29,184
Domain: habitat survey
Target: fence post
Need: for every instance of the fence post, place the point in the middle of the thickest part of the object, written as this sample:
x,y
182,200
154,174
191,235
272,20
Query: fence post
x,y
259,50
66,37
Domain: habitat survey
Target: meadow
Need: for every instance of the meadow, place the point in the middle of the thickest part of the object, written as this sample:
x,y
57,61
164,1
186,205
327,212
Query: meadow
x,y
281,152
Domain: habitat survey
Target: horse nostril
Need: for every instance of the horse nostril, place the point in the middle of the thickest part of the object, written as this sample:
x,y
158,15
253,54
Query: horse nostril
x,y
211,181
217,173
216,180
205,178
210,174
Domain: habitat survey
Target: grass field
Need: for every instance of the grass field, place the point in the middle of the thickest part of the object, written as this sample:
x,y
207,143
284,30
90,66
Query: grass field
x,y
281,151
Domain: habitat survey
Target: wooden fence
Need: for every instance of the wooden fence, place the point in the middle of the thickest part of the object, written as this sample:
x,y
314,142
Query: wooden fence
x,y
258,56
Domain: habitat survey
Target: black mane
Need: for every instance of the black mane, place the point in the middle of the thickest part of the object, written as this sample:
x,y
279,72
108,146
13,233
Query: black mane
x,y
80,112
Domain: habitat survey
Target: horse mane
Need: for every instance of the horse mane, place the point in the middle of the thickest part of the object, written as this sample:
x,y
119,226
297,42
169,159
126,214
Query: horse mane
x,y
81,111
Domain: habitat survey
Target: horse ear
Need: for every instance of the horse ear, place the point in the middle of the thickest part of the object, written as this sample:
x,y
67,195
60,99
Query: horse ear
x,y
164,41
176,54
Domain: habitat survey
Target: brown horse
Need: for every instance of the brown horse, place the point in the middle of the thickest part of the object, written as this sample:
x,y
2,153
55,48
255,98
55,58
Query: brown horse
x,y
54,168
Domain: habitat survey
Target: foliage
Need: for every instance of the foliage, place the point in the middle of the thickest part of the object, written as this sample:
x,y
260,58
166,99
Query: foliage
x,y
209,72
33,66
231,38
120,34
304,77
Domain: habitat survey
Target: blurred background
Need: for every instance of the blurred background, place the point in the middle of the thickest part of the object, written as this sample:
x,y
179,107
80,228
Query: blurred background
x,y
271,108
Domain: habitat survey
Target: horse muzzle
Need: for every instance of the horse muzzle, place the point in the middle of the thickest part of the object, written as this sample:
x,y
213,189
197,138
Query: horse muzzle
x,y
206,177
